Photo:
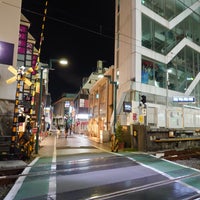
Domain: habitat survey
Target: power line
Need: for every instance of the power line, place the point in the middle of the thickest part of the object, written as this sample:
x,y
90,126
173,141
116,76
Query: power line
x,y
65,22
93,31
72,24
81,27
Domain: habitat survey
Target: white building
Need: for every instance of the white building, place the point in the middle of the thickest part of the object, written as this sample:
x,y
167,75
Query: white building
x,y
157,54
10,13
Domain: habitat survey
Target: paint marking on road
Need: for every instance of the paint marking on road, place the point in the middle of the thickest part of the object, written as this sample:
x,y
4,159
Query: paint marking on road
x,y
13,192
52,179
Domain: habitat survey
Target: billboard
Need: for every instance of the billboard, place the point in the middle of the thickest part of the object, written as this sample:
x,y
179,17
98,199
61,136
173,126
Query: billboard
x,y
6,53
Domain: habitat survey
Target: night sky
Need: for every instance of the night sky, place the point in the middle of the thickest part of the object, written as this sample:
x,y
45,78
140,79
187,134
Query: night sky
x,y
80,30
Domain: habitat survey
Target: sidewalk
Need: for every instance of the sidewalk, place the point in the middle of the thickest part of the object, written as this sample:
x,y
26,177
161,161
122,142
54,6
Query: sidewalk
x,y
46,148
72,141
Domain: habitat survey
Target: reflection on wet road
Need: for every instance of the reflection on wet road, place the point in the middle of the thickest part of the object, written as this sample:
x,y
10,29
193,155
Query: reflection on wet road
x,y
77,170
107,176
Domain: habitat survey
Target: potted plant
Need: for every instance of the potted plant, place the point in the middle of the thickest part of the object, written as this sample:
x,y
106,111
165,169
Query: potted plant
x,y
120,135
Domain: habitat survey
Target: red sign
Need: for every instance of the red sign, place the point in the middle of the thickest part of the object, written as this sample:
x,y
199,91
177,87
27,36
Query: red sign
x,y
134,116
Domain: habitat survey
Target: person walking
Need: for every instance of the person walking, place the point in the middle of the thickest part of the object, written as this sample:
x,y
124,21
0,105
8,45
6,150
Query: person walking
x,y
58,132
66,129
70,129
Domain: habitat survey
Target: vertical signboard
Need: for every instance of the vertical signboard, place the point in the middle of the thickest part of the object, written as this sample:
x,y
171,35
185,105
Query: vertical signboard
x,y
22,39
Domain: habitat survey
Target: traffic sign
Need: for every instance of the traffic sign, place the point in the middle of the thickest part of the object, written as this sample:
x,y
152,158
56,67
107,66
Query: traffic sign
x,y
144,111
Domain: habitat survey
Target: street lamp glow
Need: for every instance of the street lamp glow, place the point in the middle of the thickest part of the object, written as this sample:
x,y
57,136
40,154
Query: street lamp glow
x,y
63,62
100,76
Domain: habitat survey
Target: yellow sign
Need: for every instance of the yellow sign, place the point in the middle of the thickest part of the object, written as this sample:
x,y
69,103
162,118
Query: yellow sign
x,y
135,133
141,119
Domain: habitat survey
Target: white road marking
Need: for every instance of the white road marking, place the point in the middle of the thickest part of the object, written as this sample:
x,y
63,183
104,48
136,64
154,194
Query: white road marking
x,y
52,179
14,190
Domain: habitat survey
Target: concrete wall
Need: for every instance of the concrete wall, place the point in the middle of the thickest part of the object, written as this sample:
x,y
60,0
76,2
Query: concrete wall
x,y
161,140
10,12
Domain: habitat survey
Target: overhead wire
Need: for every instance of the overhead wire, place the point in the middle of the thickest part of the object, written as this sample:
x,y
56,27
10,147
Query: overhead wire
x,y
71,24
100,33
93,31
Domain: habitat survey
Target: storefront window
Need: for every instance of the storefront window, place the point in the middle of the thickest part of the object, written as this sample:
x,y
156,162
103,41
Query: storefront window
x,y
153,73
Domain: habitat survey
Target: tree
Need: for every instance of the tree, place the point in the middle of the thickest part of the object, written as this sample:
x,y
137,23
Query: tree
x,y
119,133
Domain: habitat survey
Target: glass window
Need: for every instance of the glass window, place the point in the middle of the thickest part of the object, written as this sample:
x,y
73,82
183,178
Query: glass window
x,y
147,36
153,73
168,9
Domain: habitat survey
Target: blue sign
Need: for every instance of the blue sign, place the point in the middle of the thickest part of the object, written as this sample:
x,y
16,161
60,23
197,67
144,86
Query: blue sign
x,y
184,99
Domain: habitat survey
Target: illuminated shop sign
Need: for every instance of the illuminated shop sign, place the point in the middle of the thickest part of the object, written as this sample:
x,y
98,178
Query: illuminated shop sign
x,y
67,104
22,39
184,99
127,106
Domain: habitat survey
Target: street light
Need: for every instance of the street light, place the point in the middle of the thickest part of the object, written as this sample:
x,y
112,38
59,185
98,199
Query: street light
x,y
167,90
114,100
61,61
167,85
42,67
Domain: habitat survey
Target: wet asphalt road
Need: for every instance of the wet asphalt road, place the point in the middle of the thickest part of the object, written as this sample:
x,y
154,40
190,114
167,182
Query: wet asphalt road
x,y
78,170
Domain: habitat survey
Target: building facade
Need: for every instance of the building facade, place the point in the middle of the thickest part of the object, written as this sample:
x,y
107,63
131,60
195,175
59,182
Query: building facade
x,y
19,82
157,56
63,110
81,112
9,39
101,108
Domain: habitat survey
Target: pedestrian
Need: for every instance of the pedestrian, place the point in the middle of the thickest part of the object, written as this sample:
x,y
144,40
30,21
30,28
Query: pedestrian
x,y
66,129
48,126
70,129
58,132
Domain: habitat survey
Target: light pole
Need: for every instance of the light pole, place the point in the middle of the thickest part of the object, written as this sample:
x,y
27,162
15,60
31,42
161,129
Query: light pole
x,y
43,66
167,90
114,101
167,84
